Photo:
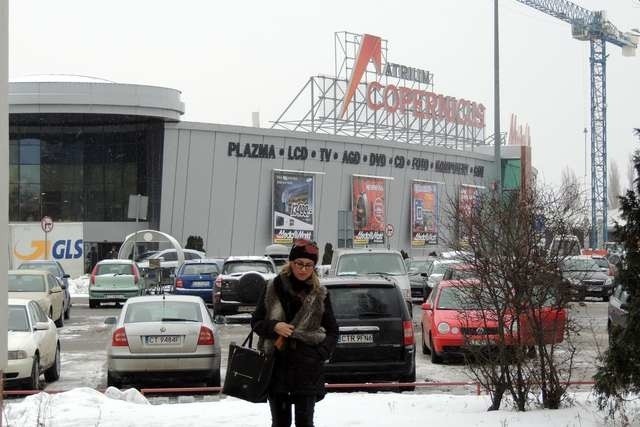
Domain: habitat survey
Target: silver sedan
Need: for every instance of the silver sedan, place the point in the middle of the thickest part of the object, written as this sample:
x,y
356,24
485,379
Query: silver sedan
x,y
164,335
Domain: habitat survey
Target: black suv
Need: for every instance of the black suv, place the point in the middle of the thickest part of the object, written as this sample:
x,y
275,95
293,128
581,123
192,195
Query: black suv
x,y
376,341
240,284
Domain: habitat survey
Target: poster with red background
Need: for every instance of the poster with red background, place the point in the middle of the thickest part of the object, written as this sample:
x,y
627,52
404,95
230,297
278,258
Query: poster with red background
x,y
368,207
424,214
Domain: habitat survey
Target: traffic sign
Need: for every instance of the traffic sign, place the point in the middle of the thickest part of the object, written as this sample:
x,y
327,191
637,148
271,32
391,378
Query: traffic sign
x,y
47,224
389,230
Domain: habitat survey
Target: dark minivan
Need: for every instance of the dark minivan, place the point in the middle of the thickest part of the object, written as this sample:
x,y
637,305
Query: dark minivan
x,y
376,341
197,277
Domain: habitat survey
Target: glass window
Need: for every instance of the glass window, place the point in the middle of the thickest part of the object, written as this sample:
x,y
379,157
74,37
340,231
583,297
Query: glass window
x,y
53,282
51,268
114,269
30,152
191,255
371,263
18,320
26,283
33,313
196,269
163,311
168,256
365,302
244,266
39,313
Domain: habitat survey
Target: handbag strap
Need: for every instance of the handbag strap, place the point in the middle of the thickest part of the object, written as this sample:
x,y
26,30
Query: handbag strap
x,y
248,339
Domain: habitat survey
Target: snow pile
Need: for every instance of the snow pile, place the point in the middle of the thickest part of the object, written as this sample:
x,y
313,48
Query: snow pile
x,y
88,407
79,286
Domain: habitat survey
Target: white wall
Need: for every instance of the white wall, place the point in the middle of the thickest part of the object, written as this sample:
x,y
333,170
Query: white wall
x,y
4,174
227,199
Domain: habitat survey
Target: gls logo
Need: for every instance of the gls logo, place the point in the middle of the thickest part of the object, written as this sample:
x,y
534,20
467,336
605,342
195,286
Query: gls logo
x,y
61,249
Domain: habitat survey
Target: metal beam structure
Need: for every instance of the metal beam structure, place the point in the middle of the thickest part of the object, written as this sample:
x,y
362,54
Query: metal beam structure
x,y
317,107
594,27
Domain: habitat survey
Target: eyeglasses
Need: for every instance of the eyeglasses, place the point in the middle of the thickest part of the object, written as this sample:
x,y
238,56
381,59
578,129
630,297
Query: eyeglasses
x,y
310,247
304,265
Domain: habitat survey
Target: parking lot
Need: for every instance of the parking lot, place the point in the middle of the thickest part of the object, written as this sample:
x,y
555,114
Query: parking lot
x,y
84,339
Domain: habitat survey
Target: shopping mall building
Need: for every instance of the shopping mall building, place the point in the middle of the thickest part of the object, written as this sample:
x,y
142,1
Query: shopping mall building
x,y
377,158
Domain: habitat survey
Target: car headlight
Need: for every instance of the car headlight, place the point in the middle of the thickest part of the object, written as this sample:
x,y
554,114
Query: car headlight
x,y
608,282
17,354
444,328
574,281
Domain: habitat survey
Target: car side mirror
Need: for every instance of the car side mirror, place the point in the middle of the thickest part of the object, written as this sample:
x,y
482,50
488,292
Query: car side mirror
x,y
624,306
63,285
111,320
41,326
66,276
426,306
424,274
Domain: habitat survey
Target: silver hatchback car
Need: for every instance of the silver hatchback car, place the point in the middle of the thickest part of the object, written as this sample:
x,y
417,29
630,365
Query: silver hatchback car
x,y
168,336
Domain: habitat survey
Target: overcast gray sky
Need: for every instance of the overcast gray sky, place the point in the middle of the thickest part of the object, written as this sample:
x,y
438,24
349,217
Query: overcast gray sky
x,y
232,58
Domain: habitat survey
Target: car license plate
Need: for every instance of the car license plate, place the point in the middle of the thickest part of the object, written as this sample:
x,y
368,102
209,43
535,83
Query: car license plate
x,y
115,296
476,342
163,339
198,284
595,288
355,339
245,308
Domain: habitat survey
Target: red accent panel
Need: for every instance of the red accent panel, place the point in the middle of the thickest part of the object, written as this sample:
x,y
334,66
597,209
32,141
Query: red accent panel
x,y
370,49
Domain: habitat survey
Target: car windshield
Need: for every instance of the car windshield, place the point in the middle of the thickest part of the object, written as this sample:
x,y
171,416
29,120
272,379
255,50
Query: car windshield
x,y
244,266
365,302
580,265
51,268
457,274
145,255
418,266
18,321
114,269
371,263
26,283
200,269
441,267
163,311
462,298
602,263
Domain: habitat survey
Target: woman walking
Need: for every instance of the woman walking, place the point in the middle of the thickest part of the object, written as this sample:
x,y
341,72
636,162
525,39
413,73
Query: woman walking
x,y
295,320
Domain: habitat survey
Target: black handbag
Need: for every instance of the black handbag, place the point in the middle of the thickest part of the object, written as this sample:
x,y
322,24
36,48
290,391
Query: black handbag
x,y
248,372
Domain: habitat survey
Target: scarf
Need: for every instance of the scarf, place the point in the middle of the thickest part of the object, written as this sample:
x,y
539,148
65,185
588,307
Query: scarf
x,y
307,321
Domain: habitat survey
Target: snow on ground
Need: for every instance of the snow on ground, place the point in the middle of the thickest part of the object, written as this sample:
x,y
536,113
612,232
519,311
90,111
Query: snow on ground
x,y
79,286
88,407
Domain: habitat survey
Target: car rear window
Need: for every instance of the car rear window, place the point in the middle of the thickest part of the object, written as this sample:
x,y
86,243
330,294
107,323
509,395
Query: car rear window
x,y
602,263
371,263
244,266
365,302
115,269
197,269
26,283
18,318
163,311
53,269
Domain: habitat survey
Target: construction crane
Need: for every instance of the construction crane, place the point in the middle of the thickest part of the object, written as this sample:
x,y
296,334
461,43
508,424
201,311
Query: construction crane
x,y
593,26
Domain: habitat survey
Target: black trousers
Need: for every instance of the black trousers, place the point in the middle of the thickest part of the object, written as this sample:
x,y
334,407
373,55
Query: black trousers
x,y
280,405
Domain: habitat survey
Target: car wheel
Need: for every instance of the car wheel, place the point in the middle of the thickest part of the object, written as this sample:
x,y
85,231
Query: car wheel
x,y
425,349
214,380
60,322
53,373
113,381
93,304
435,359
34,380
67,312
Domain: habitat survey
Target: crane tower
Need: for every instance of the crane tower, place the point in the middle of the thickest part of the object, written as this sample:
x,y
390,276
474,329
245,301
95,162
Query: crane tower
x,y
593,26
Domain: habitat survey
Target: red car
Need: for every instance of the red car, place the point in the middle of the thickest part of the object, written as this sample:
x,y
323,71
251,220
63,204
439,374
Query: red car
x,y
451,324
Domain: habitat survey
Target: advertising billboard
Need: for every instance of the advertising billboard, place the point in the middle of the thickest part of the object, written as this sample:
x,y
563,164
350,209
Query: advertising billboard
x,y
424,214
468,199
368,207
64,243
293,212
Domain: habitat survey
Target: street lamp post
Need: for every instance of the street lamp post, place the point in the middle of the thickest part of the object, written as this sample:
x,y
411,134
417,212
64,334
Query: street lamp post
x,y
496,101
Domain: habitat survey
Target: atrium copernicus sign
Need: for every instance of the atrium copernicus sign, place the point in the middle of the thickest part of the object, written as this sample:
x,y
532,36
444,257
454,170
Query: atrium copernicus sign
x,y
352,157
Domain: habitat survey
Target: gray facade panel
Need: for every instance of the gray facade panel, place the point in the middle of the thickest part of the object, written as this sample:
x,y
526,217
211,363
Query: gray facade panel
x,y
220,167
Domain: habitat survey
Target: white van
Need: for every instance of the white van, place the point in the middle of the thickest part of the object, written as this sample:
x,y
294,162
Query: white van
x,y
565,245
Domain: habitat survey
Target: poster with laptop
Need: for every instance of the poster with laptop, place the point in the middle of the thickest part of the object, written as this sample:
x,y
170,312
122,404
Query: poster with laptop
x,y
368,207
424,214
292,207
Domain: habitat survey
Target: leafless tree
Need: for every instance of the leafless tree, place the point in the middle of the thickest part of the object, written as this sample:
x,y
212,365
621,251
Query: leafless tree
x,y
614,191
515,308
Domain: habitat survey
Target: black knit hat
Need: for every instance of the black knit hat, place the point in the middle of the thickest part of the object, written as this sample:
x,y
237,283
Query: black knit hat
x,y
303,248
